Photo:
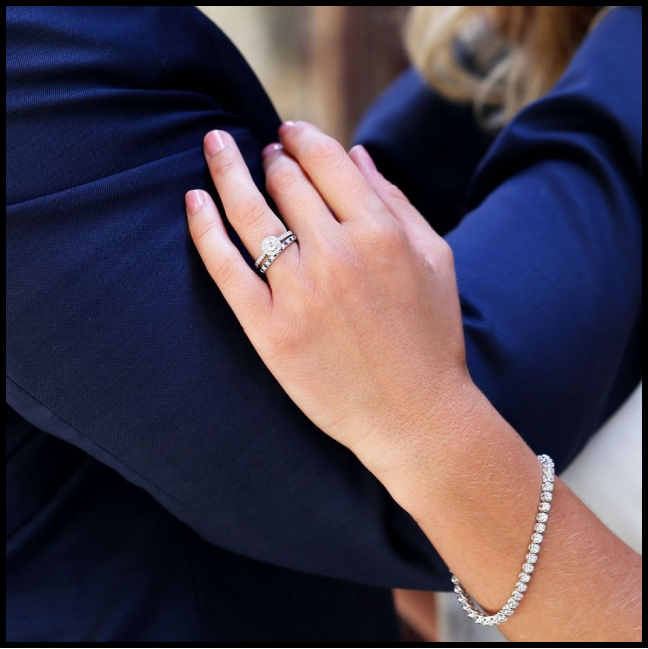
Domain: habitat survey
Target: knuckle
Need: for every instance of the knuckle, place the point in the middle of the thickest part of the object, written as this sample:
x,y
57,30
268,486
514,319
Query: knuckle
x,y
324,150
250,211
222,164
338,255
223,270
201,231
444,252
383,233
395,193
282,176
340,264
440,258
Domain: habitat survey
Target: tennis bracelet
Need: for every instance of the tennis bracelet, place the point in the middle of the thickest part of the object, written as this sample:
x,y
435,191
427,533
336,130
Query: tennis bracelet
x,y
524,578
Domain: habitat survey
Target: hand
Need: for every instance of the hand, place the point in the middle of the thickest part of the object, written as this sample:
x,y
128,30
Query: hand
x,y
360,320
360,323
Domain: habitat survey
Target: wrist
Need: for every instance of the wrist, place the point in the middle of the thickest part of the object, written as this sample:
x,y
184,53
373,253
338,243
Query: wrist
x,y
408,447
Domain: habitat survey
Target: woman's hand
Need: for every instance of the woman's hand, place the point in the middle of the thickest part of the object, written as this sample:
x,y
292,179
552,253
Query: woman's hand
x,y
360,322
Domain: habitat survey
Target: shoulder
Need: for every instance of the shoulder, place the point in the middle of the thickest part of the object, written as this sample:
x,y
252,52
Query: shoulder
x,y
592,115
607,68
603,82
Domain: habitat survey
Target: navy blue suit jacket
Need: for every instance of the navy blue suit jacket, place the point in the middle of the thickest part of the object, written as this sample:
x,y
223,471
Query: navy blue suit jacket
x,y
160,485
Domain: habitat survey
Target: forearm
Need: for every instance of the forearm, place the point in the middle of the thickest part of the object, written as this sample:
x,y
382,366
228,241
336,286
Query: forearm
x,y
380,366
473,486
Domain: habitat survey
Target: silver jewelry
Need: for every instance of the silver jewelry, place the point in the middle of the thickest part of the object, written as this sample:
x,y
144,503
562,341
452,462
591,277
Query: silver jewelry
x,y
524,578
271,245
282,246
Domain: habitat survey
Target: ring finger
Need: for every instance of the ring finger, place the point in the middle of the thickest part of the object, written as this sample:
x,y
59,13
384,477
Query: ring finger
x,y
244,205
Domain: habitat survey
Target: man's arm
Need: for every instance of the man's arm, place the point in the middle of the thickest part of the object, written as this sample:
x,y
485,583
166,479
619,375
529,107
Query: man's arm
x,y
548,256
117,340
119,343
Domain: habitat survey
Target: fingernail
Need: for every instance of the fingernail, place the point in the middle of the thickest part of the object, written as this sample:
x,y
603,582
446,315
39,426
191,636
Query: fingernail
x,y
285,126
271,148
194,200
215,141
364,154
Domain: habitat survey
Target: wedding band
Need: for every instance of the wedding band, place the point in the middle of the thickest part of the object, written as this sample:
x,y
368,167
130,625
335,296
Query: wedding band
x,y
291,238
271,245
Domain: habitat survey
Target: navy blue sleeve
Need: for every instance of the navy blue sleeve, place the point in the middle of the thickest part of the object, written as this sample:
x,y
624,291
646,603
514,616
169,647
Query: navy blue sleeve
x,y
549,250
117,339
118,342
425,144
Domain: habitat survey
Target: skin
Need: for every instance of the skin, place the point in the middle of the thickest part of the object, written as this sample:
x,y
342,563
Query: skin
x,y
360,323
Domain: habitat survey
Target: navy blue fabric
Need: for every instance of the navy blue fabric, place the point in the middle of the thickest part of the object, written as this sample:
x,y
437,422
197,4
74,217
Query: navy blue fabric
x,y
130,384
546,232
123,352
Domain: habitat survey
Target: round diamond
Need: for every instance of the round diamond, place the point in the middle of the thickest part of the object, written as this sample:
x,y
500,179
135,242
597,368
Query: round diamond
x,y
518,595
547,496
525,578
537,538
458,589
544,507
548,477
535,548
528,567
508,610
521,586
512,603
270,245
547,486
540,527
542,517
531,558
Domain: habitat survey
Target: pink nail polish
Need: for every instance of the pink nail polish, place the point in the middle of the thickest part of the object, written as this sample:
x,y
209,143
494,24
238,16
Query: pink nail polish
x,y
194,201
285,126
215,141
271,148
367,158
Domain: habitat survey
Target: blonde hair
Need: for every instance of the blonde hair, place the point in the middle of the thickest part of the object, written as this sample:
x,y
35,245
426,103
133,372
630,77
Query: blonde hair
x,y
516,53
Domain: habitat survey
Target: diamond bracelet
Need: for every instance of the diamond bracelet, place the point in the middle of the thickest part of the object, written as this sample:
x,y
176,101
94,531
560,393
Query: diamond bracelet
x,y
466,600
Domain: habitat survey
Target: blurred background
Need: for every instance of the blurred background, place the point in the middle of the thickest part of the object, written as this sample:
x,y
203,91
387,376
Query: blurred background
x,y
321,64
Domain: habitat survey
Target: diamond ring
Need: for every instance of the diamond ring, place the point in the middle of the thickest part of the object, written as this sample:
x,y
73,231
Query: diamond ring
x,y
272,247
